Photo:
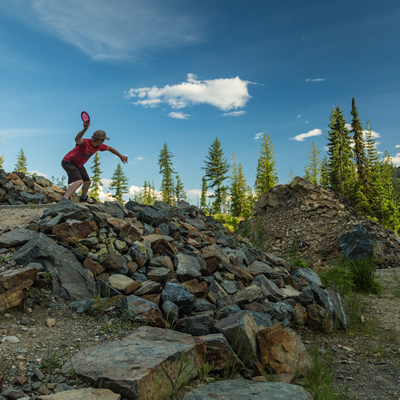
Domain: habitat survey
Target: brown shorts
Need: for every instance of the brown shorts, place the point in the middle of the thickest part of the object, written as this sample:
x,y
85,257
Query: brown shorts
x,y
74,172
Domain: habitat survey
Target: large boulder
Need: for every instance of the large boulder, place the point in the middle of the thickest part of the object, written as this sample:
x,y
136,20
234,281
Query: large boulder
x,y
69,279
16,237
282,351
143,365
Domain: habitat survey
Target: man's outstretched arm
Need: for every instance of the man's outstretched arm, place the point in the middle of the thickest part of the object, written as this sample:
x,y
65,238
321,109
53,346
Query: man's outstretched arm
x,y
78,137
124,159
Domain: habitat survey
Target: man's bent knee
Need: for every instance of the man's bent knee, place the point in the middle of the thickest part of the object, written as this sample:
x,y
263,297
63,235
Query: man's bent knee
x,y
79,182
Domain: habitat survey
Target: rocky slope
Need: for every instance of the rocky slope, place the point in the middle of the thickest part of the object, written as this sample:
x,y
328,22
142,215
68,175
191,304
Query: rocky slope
x,y
224,302
310,218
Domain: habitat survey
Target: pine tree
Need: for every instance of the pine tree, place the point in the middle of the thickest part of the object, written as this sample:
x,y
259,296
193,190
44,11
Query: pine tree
x,y
360,157
340,166
291,177
203,198
95,187
147,195
1,159
250,201
119,183
22,162
180,193
266,177
324,180
237,188
167,172
216,168
313,168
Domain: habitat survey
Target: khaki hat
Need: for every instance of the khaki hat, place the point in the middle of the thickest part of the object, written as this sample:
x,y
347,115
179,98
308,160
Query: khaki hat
x,y
100,135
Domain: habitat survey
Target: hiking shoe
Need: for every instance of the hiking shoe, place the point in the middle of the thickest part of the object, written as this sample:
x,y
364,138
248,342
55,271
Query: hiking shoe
x,y
83,199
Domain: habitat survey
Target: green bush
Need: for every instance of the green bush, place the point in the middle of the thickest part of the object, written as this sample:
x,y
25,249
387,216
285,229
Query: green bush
x,y
347,276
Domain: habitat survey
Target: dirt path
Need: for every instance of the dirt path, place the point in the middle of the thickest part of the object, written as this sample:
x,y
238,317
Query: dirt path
x,y
366,360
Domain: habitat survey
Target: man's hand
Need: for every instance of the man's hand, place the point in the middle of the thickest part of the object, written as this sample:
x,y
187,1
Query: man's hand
x,y
86,125
124,159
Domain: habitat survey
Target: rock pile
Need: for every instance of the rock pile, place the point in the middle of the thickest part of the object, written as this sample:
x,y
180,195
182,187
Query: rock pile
x,y
312,219
176,268
18,189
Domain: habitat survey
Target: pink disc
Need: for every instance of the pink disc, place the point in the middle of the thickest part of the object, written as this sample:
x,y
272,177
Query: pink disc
x,y
85,116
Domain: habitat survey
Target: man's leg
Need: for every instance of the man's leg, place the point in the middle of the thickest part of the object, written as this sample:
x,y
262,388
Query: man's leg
x,y
72,189
85,188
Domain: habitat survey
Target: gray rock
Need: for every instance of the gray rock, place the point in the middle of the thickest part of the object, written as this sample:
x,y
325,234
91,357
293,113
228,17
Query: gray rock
x,y
309,276
280,311
261,268
263,320
179,295
240,330
197,325
17,237
247,295
32,198
273,292
226,311
242,389
356,243
171,311
306,297
148,287
203,305
115,263
141,365
64,206
143,311
69,279
217,295
188,267
161,275
138,252
230,287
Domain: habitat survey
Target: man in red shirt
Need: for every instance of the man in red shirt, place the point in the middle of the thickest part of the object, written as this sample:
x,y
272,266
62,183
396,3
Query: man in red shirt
x,y
73,161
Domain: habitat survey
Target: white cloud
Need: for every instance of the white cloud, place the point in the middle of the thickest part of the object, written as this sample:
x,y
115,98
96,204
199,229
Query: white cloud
x,y
225,94
37,173
307,122
374,134
258,135
117,30
315,80
106,182
395,159
178,115
299,116
314,132
234,114
139,158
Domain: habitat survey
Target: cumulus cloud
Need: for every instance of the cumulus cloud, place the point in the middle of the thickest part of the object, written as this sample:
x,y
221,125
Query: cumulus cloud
x,y
117,30
139,158
223,93
315,80
234,114
395,159
301,137
374,134
258,135
38,173
178,115
299,116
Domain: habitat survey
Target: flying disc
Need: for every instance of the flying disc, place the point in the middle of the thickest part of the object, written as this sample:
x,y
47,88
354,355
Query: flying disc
x,y
85,116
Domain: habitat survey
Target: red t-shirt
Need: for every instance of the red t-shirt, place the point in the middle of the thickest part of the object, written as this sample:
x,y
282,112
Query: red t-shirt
x,y
82,152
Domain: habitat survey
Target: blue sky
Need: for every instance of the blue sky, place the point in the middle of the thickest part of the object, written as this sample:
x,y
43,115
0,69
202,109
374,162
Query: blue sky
x,y
186,72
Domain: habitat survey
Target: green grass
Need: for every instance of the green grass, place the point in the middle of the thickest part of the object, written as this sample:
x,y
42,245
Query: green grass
x,y
319,378
232,223
347,276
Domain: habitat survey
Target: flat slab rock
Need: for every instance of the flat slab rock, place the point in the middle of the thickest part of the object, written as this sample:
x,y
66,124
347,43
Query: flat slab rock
x,y
142,365
241,389
83,394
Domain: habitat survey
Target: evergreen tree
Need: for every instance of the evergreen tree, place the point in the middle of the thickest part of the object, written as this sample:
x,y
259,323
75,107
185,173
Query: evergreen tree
x,y
237,188
313,168
167,172
95,188
180,193
250,201
1,159
324,180
360,157
291,177
216,168
22,162
119,183
266,177
203,198
340,166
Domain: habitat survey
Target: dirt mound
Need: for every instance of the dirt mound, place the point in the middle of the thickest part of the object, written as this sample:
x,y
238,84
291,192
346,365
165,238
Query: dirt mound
x,y
308,219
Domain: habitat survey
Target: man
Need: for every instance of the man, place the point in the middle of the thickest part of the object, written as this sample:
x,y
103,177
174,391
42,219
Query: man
x,y
74,161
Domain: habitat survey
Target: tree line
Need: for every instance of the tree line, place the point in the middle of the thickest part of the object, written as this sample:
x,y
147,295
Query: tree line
x,y
351,167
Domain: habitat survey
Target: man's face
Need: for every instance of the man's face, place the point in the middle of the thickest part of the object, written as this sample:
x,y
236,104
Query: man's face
x,y
97,142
